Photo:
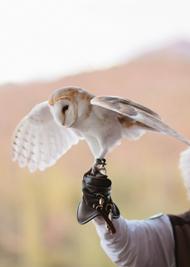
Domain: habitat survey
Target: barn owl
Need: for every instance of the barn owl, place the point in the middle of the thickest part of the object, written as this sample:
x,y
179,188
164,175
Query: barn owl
x,y
72,114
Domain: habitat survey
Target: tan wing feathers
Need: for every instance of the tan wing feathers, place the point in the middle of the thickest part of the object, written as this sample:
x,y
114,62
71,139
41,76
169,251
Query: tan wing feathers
x,y
139,114
123,104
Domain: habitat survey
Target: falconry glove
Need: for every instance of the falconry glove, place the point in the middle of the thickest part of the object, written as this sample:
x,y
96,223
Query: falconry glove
x,y
97,200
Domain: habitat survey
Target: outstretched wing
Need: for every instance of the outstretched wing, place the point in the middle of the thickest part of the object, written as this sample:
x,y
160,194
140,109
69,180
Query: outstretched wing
x,y
138,113
38,141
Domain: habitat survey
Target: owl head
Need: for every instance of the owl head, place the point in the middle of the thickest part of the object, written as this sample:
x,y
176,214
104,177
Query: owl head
x,y
69,104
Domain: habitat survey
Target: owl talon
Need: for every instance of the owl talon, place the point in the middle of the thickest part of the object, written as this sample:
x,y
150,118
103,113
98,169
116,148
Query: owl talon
x,y
99,167
101,162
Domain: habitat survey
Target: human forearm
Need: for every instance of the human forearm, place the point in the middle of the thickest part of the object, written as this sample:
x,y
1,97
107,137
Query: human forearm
x,y
139,243
119,247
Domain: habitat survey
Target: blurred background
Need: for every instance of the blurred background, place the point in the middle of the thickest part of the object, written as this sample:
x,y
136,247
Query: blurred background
x,y
135,49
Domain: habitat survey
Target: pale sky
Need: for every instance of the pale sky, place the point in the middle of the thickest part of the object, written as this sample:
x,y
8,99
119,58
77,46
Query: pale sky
x,y
46,39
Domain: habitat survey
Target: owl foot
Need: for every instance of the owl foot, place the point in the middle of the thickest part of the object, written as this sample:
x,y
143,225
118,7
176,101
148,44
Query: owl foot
x,y
99,167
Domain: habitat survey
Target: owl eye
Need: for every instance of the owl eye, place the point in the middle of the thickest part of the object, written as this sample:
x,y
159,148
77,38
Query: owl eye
x,y
64,108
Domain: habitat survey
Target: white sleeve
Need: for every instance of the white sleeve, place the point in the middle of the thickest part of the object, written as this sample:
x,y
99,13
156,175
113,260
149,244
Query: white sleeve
x,y
139,243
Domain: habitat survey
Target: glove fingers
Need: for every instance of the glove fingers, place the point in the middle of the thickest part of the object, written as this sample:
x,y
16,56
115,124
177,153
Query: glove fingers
x,y
99,182
96,199
94,190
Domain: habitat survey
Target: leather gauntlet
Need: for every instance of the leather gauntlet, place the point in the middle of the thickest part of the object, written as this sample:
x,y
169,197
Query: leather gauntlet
x,y
97,200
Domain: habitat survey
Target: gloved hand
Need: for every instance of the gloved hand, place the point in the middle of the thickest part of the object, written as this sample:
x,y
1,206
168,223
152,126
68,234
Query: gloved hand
x,y
97,200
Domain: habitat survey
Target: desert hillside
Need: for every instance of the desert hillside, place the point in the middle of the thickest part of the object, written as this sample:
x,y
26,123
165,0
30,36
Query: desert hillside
x,y
144,173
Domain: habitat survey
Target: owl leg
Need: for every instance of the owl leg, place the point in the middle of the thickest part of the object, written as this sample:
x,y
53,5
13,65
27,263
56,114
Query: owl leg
x,y
94,146
100,162
99,151
103,153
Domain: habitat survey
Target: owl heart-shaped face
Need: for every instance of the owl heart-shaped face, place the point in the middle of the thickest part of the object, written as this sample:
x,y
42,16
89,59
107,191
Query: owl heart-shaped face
x,y
65,112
